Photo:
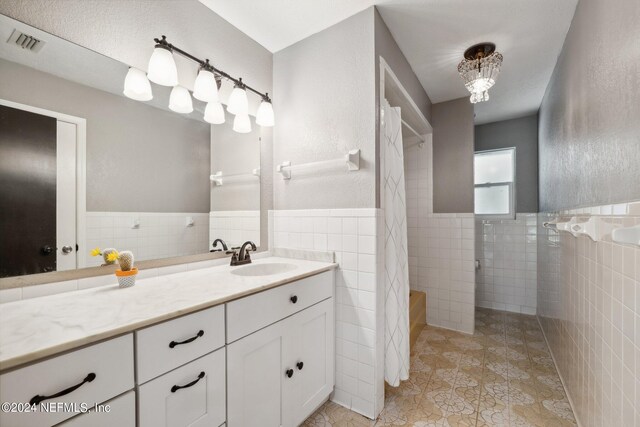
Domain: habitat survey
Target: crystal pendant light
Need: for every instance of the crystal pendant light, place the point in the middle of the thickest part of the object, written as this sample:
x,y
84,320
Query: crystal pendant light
x,y
264,117
214,113
180,100
206,87
479,70
162,67
137,86
242,123
238,102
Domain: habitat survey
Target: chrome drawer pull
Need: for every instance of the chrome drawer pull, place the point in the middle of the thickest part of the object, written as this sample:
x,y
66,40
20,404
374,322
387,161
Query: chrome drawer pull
x,y
178,387
175,343
37,398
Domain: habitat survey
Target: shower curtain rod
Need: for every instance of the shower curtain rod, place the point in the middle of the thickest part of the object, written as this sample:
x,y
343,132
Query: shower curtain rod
x,y
412,130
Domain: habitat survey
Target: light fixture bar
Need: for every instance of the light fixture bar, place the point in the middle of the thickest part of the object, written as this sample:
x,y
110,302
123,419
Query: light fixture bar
x,y
207,66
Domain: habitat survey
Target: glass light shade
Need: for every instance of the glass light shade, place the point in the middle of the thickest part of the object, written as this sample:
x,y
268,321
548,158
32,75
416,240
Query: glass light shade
x,y
214,113
206,88
162,67
265,114
180,100
242,123
479,75
238,102
137,86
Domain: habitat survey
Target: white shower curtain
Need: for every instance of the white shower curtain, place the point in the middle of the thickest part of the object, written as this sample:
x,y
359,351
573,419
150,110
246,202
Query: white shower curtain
x,y
396,367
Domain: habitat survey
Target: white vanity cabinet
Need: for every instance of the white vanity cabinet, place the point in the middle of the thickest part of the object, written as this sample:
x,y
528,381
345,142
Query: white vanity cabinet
x,y
278,375
266,359
192,395
87,376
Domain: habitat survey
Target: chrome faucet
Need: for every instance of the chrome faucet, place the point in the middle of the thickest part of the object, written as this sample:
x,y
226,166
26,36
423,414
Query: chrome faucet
x,y
242,257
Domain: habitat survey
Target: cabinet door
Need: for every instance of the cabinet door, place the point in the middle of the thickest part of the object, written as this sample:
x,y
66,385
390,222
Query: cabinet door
x,y
259,391
192,395
314,353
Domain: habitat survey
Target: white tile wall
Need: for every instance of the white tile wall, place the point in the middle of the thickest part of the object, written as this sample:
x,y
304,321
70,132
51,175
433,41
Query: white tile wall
x,y
441,263
441,248
507,251
589,309
352,235
234,227
159,235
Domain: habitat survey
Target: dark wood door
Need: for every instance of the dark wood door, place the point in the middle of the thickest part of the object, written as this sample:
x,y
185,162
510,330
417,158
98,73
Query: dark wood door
x,y
27,192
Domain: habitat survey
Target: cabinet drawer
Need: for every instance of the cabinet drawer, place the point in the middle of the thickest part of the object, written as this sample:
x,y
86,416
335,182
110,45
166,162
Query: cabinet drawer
x,y
110,362
163,347
254,312
192,395
122,413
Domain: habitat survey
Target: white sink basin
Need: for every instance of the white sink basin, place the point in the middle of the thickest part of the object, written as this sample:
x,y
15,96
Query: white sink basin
x,y
266,269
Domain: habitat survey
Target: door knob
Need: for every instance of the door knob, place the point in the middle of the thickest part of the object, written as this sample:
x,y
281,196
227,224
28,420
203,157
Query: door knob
x,y
294,299
46,249
67,249
300,365
289,373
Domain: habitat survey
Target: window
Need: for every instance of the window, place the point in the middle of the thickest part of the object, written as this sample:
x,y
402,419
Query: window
x,y
494,176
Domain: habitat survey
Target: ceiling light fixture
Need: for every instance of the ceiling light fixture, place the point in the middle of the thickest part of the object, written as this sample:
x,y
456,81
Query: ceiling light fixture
x,y
479,69
163,71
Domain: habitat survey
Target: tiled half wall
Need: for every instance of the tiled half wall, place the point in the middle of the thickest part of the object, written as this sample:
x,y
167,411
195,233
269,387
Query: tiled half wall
x,y
149,235
354,236
507,252
589,309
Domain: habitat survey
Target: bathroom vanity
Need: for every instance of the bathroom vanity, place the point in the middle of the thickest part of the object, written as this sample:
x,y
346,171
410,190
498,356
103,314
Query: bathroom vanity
x,y
215,346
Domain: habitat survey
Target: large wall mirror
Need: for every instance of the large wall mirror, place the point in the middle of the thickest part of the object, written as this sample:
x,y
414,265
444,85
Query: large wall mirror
x,y
82,166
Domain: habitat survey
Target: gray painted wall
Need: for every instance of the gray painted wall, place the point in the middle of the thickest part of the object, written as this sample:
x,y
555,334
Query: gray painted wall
x,y
124,30
235,153
132,27
325,106
521,133
387,48
589,118
139,158
452,123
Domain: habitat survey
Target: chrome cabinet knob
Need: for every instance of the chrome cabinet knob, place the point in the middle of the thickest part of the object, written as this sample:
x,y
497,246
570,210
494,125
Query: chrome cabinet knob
x,y
67,249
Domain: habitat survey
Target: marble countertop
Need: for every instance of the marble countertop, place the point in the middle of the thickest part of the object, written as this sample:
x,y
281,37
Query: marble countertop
x,y
36,328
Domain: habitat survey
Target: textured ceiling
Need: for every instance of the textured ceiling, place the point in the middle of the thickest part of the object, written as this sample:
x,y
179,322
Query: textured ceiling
x,y
433,34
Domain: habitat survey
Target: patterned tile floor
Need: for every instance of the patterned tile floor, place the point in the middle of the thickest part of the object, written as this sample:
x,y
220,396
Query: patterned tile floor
x,y
503,375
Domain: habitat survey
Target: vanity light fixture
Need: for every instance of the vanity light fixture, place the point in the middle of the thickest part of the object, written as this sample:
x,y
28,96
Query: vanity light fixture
x,y
264,117
242,123
137,86
180,100
214,113
238,102
479,69
162,67
206,86
163,71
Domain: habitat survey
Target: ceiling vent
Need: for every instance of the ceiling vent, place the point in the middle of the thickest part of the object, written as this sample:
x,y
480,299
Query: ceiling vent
x,y
25,41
